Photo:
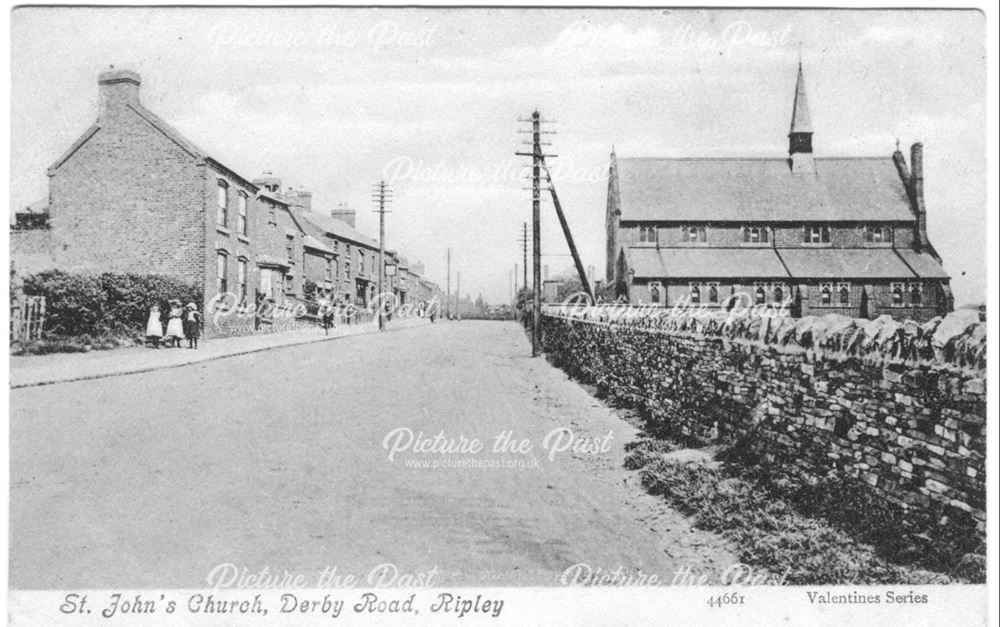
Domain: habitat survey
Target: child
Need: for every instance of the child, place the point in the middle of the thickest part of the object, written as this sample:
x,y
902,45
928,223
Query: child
x,y
192,325
175,327
154,328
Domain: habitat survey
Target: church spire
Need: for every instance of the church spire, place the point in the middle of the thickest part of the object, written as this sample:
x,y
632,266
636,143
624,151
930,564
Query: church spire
x,y
800,133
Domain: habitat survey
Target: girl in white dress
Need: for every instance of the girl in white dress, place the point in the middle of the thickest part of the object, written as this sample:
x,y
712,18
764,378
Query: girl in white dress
x,y
154,328
175,326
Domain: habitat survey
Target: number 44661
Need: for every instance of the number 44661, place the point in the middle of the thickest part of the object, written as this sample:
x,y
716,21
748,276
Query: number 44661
x,y
730,598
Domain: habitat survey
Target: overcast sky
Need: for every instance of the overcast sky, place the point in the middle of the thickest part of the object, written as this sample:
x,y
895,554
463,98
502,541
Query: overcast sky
x,y
332,100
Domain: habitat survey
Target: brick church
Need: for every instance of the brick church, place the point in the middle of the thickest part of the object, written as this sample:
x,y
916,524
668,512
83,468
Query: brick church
x,y
843,235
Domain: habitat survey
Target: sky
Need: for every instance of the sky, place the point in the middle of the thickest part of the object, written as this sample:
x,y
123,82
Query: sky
x,y
334,100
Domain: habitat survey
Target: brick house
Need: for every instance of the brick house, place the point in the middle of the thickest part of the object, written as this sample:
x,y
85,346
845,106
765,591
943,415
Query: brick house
x,y
827,235
134,195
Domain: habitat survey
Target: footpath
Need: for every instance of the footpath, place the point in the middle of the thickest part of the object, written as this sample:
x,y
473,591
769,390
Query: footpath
x,y
32,370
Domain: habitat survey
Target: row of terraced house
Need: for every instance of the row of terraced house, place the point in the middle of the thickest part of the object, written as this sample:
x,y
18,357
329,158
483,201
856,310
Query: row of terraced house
x,y
132,194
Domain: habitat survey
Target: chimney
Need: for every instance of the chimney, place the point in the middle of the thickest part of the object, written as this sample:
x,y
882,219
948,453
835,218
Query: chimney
x,y
904,173
917,195
116,89
344,215
269,183
299,198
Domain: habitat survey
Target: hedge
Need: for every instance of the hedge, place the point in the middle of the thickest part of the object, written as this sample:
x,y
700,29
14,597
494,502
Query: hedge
x,y
79,304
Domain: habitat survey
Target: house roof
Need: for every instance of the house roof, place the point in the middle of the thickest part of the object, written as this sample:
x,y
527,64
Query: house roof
x,y
923,265
697,262
746,190
338,228
39,206
845,263
311,242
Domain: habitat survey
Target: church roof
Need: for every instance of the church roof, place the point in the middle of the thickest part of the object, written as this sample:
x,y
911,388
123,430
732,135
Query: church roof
x,y
862,189
692,262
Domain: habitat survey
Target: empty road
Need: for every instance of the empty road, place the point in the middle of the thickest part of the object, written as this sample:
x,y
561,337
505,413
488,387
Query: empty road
x,y
281,459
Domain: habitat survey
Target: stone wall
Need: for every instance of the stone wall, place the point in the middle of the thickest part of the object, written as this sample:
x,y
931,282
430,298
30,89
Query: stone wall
x,y
905,414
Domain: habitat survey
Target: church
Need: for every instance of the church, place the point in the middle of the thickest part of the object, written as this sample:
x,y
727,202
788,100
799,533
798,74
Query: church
x,y
844,235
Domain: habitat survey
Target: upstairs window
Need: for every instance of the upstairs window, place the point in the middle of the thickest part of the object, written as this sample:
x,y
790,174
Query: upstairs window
x,y
759,295
241,213
817,235
222,203
361,261
916,293
290,247
694,234
329,269
647,234
878,234
755,235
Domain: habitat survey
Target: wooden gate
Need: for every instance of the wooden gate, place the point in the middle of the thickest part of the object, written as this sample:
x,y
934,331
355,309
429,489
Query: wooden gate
x,y
27,317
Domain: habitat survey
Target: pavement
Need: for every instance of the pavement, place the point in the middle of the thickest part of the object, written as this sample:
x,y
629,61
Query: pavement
x,y
281,460
31,370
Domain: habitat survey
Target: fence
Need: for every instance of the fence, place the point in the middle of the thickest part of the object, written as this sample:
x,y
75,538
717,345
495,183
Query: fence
x,y
27,317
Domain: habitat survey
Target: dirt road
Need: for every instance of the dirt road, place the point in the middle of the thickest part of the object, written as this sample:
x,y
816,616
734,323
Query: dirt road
x,y
279,459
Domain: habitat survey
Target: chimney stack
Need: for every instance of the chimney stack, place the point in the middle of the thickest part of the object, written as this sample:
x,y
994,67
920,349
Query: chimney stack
x,y
116,89
344,215
917,195
900,161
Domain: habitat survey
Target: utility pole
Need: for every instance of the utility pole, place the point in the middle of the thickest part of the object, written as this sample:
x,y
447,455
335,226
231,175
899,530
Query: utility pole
x,y
523,241
537,159
382,195
447,299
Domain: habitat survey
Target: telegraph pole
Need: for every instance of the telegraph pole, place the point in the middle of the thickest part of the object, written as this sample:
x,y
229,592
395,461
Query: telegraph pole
x,y
382,195
447,300
537,158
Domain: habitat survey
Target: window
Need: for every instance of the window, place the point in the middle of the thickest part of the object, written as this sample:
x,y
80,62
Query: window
x,y
241,213
755,234
713,292
271,218
222,203
826,293
647,234
694,234
916,293
897,294
290,247
759,295
289,283
329,269
241,281
817,235
361,261
695,293
654,293
221,263
779,293
844,293
878,234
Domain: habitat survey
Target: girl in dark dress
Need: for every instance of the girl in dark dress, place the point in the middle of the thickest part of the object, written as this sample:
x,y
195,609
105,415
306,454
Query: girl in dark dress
x,y
192,325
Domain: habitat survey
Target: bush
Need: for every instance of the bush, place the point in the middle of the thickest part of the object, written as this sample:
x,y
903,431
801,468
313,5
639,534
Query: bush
x,y
103,306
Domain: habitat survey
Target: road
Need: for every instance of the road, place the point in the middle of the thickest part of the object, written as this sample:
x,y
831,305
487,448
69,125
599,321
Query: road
x,y
277,460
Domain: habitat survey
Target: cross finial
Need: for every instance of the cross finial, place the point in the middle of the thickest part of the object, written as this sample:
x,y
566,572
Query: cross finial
x,y
897,144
